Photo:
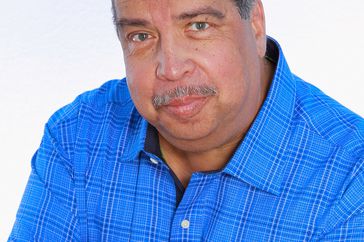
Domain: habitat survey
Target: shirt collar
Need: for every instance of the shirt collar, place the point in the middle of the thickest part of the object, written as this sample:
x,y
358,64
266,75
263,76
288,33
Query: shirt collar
x,y
259,160
138,135
133,136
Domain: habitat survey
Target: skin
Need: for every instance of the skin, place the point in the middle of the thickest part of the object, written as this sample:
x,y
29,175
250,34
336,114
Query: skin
x,y
173,43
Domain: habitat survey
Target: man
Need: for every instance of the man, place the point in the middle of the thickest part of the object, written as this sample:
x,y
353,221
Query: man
x,y
210,137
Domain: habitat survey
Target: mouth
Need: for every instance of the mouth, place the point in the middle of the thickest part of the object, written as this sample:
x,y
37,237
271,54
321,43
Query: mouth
x,y
185,107
184,102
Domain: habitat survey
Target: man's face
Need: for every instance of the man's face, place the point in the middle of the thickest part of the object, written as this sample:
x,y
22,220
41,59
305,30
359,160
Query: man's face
x,y
193,68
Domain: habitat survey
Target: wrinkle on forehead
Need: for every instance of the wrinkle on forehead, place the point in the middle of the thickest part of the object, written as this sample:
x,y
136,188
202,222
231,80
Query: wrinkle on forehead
x,y
160,9
142,7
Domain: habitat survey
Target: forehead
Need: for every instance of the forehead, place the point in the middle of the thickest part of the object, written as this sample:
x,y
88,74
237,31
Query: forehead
x,y
166,8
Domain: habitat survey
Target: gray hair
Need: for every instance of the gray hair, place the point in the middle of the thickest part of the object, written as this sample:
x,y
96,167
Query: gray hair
x,y
180,92
244,8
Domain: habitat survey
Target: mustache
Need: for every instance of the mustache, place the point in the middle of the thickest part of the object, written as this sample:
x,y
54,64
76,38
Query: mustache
x,y
180,92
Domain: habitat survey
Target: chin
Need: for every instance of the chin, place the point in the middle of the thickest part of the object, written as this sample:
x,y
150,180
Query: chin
x,y
185,133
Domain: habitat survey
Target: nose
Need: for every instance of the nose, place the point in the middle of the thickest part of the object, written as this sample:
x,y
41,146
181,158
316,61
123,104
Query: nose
x,y
174,62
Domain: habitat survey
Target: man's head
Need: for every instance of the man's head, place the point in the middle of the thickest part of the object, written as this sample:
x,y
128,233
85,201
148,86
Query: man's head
x,y
194,68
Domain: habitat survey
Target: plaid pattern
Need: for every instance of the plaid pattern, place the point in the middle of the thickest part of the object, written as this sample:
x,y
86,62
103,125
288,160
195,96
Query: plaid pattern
x,y
298,175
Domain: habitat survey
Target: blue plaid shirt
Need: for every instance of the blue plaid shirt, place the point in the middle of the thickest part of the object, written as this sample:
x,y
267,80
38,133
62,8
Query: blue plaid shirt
x,y
298,175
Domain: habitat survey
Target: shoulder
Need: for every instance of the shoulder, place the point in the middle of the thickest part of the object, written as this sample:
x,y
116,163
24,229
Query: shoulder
x,y
329,119
113,92
88,114
340,131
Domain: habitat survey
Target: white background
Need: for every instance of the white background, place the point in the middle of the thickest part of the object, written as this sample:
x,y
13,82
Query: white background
x,y
51,51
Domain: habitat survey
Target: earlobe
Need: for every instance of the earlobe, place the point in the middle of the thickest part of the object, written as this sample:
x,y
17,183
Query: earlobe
x,y
257,20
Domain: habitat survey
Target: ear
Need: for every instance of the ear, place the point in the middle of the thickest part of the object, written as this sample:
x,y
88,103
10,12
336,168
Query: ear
x,y
257,21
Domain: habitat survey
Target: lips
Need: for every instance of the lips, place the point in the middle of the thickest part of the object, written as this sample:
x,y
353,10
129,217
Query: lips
x,y
185,107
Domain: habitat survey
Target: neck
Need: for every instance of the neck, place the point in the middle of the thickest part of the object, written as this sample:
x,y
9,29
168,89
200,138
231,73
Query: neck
x,y
185,163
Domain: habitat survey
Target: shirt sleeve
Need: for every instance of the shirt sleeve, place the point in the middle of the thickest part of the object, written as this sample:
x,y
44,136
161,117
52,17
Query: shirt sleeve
x,y
347,218
48,210
352,230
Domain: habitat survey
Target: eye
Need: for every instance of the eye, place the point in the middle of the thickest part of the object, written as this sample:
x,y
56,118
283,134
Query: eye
x,y
139,37
199,26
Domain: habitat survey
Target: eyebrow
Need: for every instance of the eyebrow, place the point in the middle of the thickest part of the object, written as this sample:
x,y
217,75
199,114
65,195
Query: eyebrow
x,y
201,11
121,22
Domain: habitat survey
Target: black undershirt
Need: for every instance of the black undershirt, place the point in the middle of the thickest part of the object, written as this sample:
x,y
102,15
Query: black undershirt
x,y
152,146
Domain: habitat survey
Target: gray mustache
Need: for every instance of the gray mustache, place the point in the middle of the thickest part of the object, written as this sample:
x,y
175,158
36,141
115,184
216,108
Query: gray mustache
x,y
180,92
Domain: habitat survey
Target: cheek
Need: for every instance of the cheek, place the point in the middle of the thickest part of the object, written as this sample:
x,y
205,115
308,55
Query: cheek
x,y
221,56
225,67
230,73
140,77
140,82
139,91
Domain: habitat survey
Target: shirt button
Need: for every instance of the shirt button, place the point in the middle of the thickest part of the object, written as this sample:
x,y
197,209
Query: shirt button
x,y
185,224
154,161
